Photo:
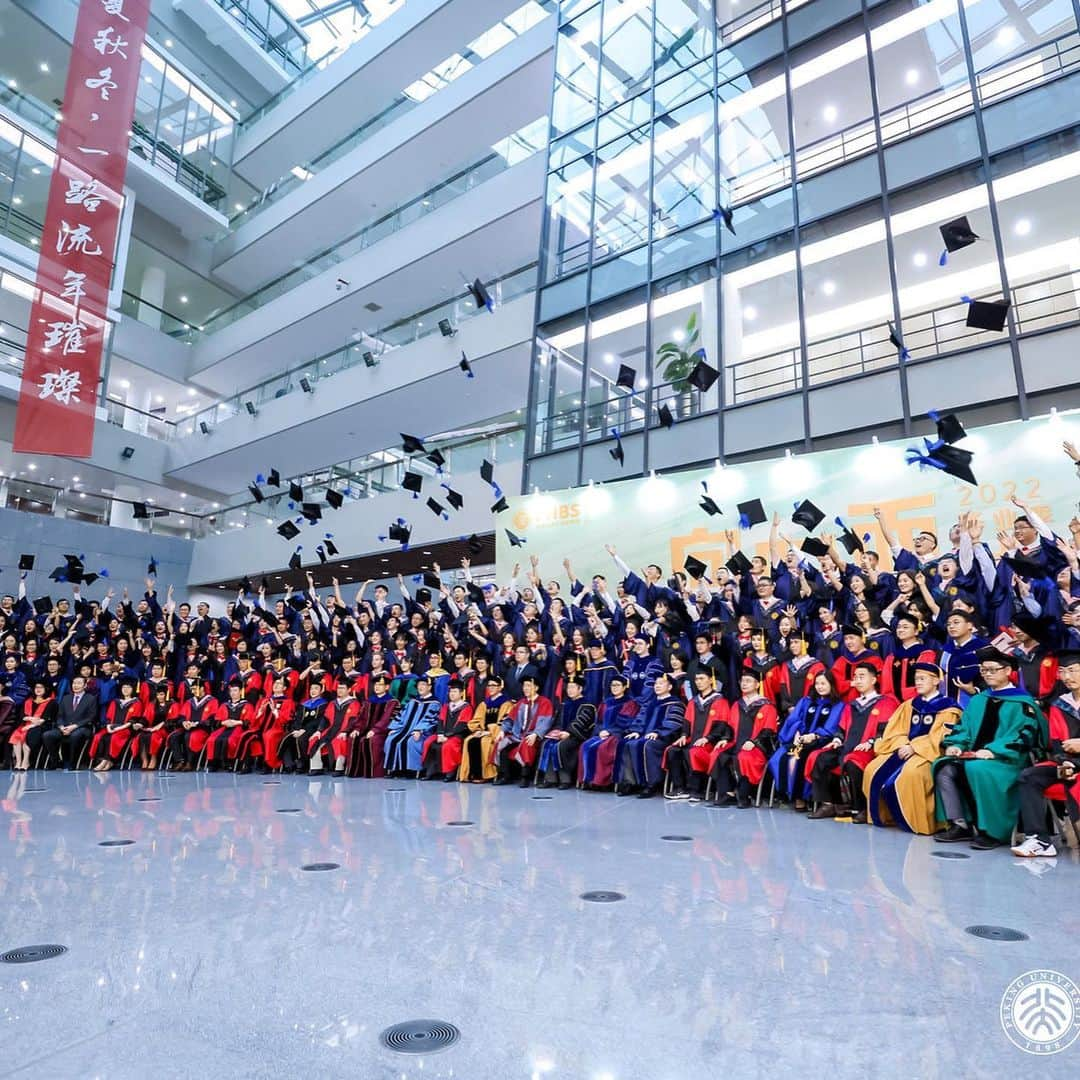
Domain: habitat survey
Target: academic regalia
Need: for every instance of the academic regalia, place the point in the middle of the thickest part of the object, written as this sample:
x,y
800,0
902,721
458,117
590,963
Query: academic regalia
x,y
478,750
444,758
598,681
111,741
844,666
38,717
160,721
960,666
514,746
599,762
186,744
336,718
749,721
403,686
1009,724
416,715
643,757
640,673
578,719
414,745
306,720
901,792
794,681
898,674
1042,779
370,745
234,718
1038,672
768,669
704,718
276,714
860,722
811,716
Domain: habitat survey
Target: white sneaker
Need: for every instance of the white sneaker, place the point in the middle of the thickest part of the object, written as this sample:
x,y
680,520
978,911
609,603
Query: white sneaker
x,y
1033,847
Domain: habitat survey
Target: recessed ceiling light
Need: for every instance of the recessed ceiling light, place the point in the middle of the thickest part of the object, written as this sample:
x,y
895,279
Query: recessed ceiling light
x,y
749,313
31,466
191,391
919,258
911,76
158,398
233,103
74,479
828,287
168,43
1022,227
609,358
830,112
125,384
1006,35
183,299
43,68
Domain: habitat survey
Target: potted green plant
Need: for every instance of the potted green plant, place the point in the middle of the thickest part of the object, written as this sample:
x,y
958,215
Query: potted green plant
x,y
677,359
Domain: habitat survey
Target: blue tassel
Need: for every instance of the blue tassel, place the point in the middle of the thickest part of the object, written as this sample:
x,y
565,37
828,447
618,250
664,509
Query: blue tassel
x,y
497,491
744,521
445,516
103,572
300,519
913,457
404,547
299,548
944,257
839,522
933,414
381,539
292,506
904,353
966,300
260,479
417,578
866,538
329,536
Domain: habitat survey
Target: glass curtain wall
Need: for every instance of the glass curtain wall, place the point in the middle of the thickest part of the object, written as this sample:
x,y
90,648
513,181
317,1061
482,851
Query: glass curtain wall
x,y
840,136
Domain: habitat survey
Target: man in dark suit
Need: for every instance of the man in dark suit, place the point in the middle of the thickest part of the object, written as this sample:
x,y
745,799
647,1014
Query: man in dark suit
x,y
517,672
76,721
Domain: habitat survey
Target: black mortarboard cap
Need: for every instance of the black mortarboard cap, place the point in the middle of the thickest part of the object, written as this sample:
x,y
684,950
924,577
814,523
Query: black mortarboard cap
x,y
423,596
738,564
988,314
296,492
264,584
321,552
476,594
58,573
288,530
955,462
26,562
813,546
312,511
89,579
849,539
500,506
898,341
465,366
487,471
617,451
454,499
412,481
751,513
256,494
139,511
43,605
334,498
245,584
480,294
949,428
294,561
666,419
515,540
399,533
694,567
273,478
726,215
476,545
808,516
297,603
331,547
709,505
703,376
432,580
627,377
436,507
411,444
957,234
437,458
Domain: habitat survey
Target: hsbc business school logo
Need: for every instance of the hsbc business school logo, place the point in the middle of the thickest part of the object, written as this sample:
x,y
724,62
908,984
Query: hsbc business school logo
x,y
1040,1012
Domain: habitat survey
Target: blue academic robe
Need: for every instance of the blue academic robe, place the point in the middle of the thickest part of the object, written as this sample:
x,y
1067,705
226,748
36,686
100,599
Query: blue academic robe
x,y
811,715
402,751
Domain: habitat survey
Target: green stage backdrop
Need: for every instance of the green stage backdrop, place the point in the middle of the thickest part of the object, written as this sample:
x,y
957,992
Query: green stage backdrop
x,y
658,519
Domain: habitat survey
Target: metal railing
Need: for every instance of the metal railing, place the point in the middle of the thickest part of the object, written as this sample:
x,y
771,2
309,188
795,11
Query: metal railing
x,y
271,29
143,311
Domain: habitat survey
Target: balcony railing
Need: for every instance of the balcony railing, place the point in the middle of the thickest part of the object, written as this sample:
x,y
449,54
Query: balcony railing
x,y
272,30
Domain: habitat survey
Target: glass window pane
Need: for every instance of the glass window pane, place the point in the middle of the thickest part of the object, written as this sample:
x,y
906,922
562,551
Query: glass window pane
x,y
568,195
576,52
1002,31
559,364
683,314
628,50
685,168
621,218
616,337
684,35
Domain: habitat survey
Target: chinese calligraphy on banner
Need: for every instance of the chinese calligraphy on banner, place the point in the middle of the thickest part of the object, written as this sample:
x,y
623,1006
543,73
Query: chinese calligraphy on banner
x,y
660,520
66,336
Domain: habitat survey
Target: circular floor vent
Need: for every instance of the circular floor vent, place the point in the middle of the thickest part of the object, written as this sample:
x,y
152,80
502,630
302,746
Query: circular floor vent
x,y
30,954
602,896
420,1036
949,855
315,866
997,933
115,843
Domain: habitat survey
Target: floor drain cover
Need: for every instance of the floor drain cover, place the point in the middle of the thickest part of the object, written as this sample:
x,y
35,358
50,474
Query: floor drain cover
x,y
602,896
30,954
420,1036
997,933
149,798
459,823
949,855
115,843
31,790
271,781
677,838
395,789
321,866
290,810
542,798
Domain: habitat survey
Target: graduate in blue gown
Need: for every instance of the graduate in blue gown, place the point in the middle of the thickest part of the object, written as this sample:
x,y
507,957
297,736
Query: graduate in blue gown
x,y
417,717
812,723
654,728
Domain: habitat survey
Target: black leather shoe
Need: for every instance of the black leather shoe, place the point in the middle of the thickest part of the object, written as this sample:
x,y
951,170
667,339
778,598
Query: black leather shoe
x,y
955,834
983,842
825,810
565,786
525,782
859,817
648,793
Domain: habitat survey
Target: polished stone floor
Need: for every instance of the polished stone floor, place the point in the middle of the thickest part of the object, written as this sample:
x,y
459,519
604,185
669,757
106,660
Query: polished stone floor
x,y
765,945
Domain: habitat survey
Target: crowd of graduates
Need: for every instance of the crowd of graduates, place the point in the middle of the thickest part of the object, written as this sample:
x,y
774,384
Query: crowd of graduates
x,y
940,696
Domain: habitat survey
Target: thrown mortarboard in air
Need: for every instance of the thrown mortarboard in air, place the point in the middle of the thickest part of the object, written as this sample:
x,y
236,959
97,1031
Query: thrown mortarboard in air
x,y
465,366
807,515
331,547
273,478
89,579
703,376
294,560
956,235
151,566
59,574
949,428
334,498
947,458
738,564
432,580
438,509
515,540
487,471
476,594
423,596
288,530
617,451
476,545
988,314
139,511
399,532
256,494
500,506
296,492
245,584
26,562
813,546
751,513
414,482
666,419
898,341
694,567
43,605
312,511
481,295
321,552
708,503
627,377
727,215
437,458
848,538
411,444
453,497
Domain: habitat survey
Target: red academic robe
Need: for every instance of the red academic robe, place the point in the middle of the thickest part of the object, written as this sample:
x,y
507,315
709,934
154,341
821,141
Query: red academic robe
x,y
703,720
746,721
876,719
233,735
276,714
454,725
111,742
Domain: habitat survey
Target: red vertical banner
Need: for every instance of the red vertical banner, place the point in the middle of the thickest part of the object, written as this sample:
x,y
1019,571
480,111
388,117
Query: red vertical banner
x,y
66,336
